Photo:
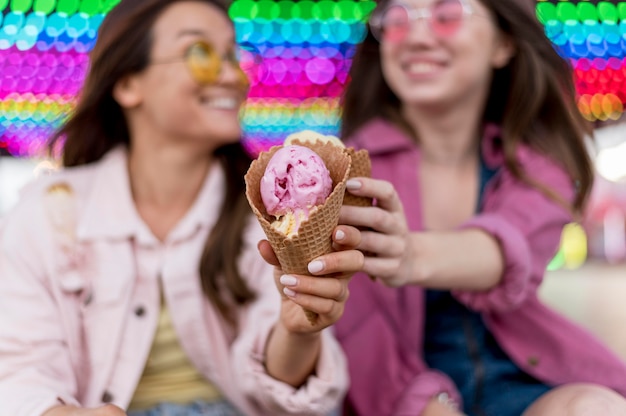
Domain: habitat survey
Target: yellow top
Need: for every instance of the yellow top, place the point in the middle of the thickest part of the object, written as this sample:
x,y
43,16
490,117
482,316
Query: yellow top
x,y
169,376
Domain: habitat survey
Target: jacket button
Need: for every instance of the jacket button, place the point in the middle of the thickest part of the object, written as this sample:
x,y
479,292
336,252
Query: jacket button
x,y
533,361
88,299
140,311
107,397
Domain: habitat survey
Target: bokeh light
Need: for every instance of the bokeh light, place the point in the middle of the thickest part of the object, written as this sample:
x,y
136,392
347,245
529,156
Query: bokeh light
x,y
43,59
592,35
306,48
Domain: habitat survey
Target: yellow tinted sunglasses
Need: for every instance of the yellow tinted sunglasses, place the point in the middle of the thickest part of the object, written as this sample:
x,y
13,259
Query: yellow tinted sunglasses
x,y
205,64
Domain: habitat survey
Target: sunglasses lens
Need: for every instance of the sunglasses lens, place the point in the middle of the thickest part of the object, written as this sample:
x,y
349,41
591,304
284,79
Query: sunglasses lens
x,y
393,24
204,63
447,16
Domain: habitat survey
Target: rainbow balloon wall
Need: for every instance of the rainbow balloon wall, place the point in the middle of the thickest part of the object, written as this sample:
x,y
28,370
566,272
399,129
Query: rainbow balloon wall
x,y
593,36
306,48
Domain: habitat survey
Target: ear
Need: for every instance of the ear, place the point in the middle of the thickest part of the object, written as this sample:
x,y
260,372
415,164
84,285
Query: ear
x,y
504,50
127,92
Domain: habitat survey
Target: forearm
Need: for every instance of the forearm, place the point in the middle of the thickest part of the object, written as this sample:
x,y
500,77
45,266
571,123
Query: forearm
x,y
462,260
290,357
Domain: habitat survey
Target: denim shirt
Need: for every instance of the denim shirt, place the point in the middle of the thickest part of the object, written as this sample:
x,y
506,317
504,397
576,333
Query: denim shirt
x,y
382,328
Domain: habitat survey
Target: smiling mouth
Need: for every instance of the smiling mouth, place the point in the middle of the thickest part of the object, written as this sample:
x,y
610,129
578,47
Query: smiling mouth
x,y
222,103
421,68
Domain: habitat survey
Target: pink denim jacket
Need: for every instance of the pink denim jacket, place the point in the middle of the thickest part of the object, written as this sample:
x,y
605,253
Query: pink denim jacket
x,y
382,328
79,301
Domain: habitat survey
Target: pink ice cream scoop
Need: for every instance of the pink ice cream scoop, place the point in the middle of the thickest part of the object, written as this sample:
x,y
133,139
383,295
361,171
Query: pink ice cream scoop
x,y
295,178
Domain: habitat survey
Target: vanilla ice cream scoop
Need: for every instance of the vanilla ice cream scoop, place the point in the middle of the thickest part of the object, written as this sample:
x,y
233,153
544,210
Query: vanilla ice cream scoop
x,y
295,179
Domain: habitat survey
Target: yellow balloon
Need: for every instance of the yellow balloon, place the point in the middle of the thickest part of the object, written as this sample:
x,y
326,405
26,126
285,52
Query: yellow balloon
x,y
574,245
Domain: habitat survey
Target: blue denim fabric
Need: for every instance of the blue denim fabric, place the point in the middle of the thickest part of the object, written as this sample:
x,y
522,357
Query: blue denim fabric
x,y
458,343
198,408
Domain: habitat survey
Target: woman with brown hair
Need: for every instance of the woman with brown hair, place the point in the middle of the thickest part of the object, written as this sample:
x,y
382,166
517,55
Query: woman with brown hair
x,y
131,279
479,160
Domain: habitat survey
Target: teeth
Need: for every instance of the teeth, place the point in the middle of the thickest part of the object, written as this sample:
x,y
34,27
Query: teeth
x,y
421,67
223,103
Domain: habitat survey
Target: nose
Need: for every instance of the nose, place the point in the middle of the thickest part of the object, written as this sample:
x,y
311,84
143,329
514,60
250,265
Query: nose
x,y
420,31
232,74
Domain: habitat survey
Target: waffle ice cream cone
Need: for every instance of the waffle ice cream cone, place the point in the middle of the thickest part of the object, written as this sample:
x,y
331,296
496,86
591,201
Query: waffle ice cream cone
x,y
314,236
361,167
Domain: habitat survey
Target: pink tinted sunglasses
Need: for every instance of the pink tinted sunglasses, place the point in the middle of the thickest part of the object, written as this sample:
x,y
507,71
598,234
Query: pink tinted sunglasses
x,y
392,23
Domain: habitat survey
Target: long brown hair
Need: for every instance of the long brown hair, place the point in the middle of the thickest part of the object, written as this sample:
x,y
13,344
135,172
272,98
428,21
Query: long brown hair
x,y
532,98
97,125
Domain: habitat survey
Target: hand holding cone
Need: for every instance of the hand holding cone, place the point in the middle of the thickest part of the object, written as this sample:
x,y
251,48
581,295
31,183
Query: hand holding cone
x,y
314,236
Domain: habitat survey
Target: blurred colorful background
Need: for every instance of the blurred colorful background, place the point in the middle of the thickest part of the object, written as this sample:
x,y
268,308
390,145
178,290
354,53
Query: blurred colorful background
x,y
306,49
305,46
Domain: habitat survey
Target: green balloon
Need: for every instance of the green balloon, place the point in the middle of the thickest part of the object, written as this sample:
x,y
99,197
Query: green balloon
x,y
304,9
324,10
367,7
347,11
107,5
22,6
244,9
68,6
268,9
558,261
44,6
546,12
608,12
566,11
90,7
621,10
285,9
587,11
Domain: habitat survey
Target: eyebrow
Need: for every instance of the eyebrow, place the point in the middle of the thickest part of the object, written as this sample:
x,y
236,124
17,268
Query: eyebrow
x,y
191,32
197,32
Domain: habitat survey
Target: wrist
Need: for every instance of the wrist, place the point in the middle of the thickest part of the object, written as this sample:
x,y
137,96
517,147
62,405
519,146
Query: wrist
x,y
292,357
421,270
282,331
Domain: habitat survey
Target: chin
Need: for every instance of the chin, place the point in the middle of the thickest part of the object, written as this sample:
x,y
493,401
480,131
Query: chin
x,y
225,137
425,98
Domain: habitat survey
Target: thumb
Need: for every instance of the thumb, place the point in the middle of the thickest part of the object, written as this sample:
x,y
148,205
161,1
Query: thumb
x,y
267,252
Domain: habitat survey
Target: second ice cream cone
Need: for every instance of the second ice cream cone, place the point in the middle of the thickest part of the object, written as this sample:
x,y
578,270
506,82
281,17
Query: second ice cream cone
x,y
361,167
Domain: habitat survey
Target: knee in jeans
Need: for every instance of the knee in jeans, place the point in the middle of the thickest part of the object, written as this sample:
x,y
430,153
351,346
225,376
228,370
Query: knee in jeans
x,y
594,401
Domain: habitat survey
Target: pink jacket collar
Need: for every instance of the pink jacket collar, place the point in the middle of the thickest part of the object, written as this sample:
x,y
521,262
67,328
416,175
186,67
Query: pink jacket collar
x,y
110,211
380,136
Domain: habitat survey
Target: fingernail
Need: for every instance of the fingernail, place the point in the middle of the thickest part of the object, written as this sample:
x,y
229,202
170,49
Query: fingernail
x,y
289,292
353,184
315,266
288,280
340,235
